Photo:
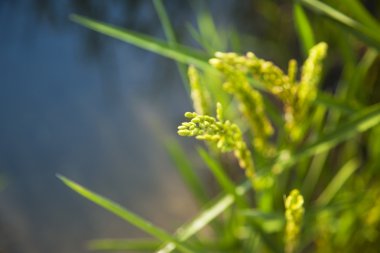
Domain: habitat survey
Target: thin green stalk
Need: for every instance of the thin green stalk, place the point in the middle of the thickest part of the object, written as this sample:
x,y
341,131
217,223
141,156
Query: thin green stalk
x,y
170,35
364,33
361,71
125,214
337,182
180,53
360,122
303,28
222,178
186,170
361,13
205,217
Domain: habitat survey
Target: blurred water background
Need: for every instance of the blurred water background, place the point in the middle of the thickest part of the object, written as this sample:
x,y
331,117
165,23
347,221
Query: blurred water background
x,y
93,109
99,111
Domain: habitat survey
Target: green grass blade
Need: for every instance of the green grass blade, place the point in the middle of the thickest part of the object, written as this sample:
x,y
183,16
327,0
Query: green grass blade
x,y
332,102
313,174
205,217
227,185
170,35
337,182
222,178
124,214
210,37
303,28
122,245
364,33
361,71
362,121
361,13
180,53
186,171
165,22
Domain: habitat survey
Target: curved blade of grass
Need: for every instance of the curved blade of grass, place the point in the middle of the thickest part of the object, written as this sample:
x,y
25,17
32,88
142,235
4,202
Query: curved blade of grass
x,y
186,171
170,35
360,122
313,174
124,214
221,177
216,169
210,38
205,217
361,13
119,245
165,22
303,28
179,53
337,182
361,71
364,33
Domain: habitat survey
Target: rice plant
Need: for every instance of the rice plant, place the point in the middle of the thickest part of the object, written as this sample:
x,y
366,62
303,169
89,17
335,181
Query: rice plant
x,y
310,157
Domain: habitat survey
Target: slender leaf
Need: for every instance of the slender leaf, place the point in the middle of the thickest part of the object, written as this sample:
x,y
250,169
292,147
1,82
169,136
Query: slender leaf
x,y
331,102
360,122
205,217
179,53
222,178
361,13
361,71
170,35
364,33
186,170
124,214
313,174
210,37
303,27
337,182
119,244
165,22
217,170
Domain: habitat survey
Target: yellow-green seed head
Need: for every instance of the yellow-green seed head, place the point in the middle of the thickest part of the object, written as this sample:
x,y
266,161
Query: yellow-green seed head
x,y
226,135
293,215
